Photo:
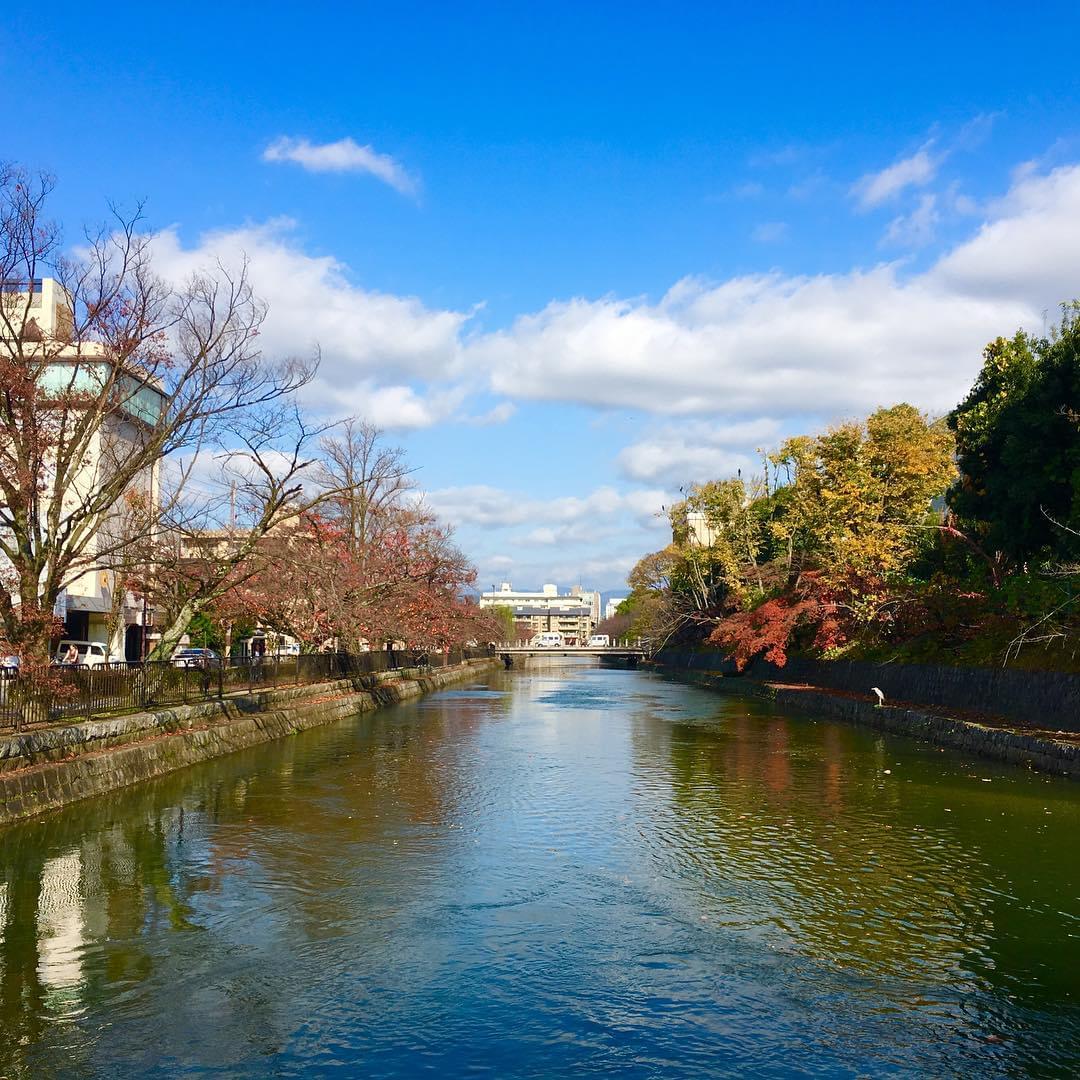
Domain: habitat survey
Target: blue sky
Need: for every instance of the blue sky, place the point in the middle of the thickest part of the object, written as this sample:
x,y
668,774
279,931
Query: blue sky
x,y
573,256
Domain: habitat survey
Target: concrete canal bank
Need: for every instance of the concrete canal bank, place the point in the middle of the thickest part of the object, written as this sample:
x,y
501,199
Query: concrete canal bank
x,y
1024,718
48,768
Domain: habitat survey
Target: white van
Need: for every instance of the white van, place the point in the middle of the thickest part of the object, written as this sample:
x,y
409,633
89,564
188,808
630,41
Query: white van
x,y
599,641
86,653
550,639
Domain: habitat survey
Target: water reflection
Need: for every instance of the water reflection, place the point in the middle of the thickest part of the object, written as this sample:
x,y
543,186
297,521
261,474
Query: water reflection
x,y
564,871
886,860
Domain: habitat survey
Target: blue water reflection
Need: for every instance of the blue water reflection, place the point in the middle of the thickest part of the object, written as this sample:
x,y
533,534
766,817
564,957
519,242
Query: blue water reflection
x,y
562,871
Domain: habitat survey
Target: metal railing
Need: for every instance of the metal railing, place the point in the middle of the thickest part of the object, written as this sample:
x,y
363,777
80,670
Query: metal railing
x,y
615,645
70,692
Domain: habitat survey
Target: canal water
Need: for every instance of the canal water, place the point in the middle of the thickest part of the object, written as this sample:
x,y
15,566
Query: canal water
x,y
564,870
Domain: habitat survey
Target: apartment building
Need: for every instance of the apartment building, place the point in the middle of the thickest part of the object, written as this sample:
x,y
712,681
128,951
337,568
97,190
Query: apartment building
x,y
94,606
574,614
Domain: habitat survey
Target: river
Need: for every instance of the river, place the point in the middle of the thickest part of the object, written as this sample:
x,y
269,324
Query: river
x,y
564,870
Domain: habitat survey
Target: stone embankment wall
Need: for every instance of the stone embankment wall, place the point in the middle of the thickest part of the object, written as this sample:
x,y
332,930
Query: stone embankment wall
x,y
45,769
1049,699
1031,718
1035,750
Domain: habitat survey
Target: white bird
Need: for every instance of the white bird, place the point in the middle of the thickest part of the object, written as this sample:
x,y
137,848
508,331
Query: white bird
x,y
880,696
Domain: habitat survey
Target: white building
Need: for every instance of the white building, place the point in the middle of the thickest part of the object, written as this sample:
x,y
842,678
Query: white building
x,y
574,614
612,606
90,605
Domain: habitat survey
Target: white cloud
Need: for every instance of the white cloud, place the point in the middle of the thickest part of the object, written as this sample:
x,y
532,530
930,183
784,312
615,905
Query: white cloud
x,y
976,131
809,186
498,414
763,344
393,407
606,572
696,451
560,537
543,535
374,345
758,345
588,531
916,229
788,154
493,508
345,155
919,169
779,345
1027,253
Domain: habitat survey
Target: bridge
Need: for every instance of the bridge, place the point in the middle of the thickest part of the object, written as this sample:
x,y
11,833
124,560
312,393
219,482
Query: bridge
x,y
630,653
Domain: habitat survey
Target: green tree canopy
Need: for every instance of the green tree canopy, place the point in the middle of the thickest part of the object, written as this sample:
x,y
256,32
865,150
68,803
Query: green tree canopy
x,y
1018,444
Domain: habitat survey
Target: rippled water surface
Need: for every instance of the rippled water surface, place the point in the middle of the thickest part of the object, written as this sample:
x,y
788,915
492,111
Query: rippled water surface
x,y
563,871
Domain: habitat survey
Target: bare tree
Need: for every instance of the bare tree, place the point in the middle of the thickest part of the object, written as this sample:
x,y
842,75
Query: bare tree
x,y
124,371
320,548
371,477
266,484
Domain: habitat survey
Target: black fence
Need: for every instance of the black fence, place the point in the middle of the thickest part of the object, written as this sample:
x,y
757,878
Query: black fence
x,y
72,692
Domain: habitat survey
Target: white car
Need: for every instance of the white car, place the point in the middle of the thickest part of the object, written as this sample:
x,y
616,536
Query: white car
x,y
548,640
87,653
599,641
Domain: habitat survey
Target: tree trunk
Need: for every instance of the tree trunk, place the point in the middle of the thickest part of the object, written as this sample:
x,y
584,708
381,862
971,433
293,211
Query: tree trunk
x,y
171,636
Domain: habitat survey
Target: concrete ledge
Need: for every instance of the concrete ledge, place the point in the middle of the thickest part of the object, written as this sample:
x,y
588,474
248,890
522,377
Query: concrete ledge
x,y
46,769
1046,751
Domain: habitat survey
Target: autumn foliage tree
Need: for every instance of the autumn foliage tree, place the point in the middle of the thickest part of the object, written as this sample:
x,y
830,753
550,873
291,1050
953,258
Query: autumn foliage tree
x,y
810,551
352,561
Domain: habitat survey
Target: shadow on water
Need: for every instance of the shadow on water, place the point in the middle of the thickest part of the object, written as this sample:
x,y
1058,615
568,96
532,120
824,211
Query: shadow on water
x,y
561,871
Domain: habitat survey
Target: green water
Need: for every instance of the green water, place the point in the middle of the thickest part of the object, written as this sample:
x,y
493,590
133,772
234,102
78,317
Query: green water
x,y
562,871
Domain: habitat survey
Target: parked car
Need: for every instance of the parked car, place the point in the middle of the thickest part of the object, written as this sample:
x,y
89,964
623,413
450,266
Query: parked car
x,y
199,658
549,639
87,653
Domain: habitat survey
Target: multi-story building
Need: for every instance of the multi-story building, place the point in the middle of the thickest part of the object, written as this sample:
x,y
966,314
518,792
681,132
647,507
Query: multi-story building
x,y
592,598
572,614
94,606
613,606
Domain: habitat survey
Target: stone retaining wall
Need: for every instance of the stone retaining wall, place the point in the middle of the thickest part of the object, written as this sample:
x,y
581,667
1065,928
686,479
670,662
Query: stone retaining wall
x,y
1033,749
46,769
1049,698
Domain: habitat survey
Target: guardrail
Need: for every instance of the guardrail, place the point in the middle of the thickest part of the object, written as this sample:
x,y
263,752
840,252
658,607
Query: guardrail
x,y
70,692
618,644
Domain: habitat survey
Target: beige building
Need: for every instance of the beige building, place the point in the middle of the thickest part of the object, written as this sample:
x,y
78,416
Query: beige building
x,y
92,606
573,614
699,532
592,598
